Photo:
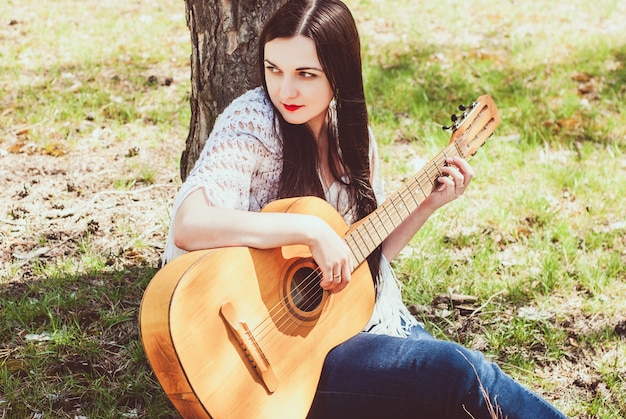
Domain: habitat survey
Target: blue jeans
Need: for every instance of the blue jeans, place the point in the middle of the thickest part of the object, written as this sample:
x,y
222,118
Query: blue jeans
x,y
378,376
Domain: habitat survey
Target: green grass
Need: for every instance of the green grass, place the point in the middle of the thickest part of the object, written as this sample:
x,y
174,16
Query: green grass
x,y
80,350
72,69
539,237
542,225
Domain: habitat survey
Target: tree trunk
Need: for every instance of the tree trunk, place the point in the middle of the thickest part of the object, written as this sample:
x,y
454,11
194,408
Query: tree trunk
x,y
224,37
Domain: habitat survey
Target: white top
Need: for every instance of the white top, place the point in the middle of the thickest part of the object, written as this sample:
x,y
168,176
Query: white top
x,y
240,167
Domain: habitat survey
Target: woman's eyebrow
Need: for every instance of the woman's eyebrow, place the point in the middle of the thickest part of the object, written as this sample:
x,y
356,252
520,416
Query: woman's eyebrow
x,y
297,69
309,68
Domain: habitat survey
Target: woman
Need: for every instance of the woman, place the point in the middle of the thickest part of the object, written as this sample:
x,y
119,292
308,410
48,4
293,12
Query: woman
x,y
305,132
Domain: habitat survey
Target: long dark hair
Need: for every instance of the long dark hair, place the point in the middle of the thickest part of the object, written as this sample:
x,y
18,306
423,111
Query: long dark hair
x,y
331,26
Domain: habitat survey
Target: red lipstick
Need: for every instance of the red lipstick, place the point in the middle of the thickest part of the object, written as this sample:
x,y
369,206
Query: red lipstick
x,y
292,108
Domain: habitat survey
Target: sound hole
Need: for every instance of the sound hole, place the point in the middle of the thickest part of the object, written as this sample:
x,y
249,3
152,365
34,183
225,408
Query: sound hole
x,y
305,291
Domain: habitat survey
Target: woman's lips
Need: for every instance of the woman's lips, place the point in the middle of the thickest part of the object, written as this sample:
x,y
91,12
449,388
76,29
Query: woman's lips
x,y
292,108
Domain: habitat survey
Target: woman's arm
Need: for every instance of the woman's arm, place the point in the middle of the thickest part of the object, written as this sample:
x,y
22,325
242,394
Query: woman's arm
x,y
458,175
199,225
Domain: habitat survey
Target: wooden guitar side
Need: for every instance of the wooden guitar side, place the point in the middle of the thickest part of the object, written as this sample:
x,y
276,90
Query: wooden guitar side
x,y
198,359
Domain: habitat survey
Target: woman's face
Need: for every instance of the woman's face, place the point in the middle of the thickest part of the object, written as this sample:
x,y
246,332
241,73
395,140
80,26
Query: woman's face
x,y
296,83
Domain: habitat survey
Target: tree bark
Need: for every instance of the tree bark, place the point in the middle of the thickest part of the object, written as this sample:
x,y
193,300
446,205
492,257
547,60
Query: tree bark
x,y
224,37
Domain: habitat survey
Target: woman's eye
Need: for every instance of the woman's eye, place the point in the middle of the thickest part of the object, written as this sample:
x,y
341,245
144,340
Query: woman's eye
x,y
272,69
307,75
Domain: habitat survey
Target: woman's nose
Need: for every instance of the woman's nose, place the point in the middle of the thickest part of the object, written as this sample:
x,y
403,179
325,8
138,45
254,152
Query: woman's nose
x,y
288,89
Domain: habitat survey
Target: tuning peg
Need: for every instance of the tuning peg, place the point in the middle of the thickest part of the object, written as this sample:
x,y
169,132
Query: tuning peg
x,y
464,108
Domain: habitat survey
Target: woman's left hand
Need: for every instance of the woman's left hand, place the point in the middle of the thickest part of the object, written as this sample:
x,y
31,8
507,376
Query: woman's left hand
x,y
457,174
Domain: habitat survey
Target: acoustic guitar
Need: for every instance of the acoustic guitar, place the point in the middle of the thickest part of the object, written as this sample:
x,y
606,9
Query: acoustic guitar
x,y
243,333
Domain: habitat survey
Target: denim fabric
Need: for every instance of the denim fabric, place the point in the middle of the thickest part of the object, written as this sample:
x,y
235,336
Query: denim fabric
x,y
379,376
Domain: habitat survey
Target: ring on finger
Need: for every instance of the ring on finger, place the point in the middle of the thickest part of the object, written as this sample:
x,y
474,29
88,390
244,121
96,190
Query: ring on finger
x,y
336,276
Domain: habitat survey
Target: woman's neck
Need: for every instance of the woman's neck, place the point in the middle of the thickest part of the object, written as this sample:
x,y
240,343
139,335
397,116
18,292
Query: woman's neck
x,y
319,127
326,173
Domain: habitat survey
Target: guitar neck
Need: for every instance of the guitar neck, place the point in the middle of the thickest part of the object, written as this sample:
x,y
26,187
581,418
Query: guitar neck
x,y
366,235
470,131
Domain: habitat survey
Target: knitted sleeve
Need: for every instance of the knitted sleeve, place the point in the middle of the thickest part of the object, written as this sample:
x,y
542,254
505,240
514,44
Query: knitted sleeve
x,y
240,156
240,163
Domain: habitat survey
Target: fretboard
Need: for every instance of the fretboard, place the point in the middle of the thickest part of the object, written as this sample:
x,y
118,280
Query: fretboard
x,y
372,230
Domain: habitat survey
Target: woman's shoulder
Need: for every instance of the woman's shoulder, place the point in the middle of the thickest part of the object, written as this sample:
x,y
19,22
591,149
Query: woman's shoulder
x,y
250,114
253,106
253,98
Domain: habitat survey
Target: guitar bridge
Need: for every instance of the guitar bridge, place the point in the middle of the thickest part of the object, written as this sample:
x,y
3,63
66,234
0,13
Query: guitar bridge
x,y
250,346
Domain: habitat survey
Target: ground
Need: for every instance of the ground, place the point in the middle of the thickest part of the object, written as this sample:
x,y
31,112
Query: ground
x,y
53,203
68,206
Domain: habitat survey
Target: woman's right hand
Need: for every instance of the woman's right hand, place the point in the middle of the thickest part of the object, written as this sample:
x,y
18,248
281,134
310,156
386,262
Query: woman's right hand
x,y
332,255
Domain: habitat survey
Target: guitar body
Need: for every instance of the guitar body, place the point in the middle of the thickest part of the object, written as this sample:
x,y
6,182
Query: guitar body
x,y
243,333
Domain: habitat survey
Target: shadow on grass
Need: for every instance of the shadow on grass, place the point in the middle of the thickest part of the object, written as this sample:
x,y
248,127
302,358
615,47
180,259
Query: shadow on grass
x,y
71,348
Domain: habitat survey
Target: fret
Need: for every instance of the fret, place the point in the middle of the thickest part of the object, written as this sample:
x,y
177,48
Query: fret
x,y
384,207
417,203
440,160
430,178
368,248
422,190
406,207
356,257
458,150
382,222
393,204
355,246
380,239
363,239
357,251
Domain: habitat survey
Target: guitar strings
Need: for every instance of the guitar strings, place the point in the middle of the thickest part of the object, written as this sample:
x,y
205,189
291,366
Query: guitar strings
x,y
260,331
413,186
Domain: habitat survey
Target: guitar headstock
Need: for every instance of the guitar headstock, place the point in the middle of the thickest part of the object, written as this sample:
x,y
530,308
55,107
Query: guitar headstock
x,y
477,123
